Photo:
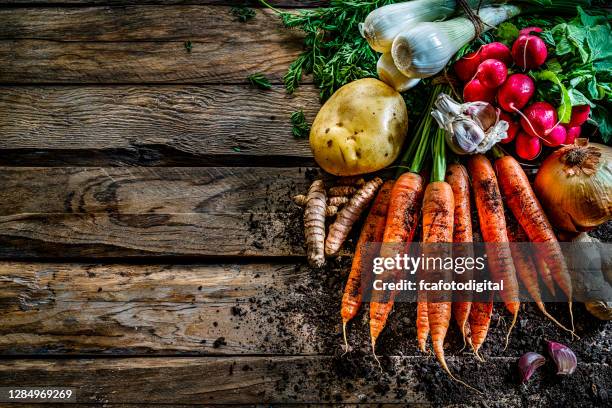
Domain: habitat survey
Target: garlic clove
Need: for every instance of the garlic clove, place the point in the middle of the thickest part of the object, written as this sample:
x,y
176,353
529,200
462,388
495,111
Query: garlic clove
x,y
388,73
563,356
485,113
528,363
466,134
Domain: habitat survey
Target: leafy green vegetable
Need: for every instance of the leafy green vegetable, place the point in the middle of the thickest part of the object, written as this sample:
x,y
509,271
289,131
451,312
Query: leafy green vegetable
x,y
243,14
507,33
301,128
583,64
259,81
564,111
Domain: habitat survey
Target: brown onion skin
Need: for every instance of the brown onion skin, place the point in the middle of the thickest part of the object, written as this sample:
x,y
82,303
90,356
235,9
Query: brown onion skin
x,y
576,202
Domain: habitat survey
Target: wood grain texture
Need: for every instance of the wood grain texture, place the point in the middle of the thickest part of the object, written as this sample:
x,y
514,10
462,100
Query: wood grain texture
x,y
109,212
152,125
250,3
141,44
58,309
283,379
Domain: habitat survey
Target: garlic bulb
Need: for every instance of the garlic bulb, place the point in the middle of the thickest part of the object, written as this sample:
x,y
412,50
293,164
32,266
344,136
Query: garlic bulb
x,y
388,73
424,49
382,25
472,127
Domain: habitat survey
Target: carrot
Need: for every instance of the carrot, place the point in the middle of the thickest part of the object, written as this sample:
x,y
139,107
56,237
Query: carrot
x,y
372,231
438,223
422,325
525,206
479,320
493,228
526,269
402,219
404,208
457,177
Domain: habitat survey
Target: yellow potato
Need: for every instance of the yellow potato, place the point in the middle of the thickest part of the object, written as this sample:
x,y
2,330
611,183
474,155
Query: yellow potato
x,y
360,129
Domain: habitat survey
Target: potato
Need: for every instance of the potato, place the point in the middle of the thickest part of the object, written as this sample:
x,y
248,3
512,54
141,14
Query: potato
x,y
360,129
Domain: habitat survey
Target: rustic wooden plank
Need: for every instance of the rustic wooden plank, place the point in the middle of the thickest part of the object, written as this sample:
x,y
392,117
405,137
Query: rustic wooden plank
x,y
245,380
142,44
59,309
201,309
109,212
152,125
250,3
139,23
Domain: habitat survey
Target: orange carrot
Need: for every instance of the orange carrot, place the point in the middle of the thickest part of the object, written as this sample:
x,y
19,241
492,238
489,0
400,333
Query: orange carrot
x,y
402,219
438,215
457,177
526,269
422,325
525,206
372,231
438,222
480,318
493,228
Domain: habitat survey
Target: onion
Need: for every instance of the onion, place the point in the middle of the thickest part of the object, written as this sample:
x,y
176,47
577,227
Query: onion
x,y
574,185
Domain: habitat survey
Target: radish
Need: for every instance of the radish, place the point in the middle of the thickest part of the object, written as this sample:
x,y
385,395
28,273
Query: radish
x,y
529,51
527,147
529,30
475,91
580,114
496,50
513,127
539,119
466,67
555,137
515,92
572,134
492,73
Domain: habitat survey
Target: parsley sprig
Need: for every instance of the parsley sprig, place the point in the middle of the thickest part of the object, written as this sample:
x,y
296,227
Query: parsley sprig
x,y
243,14
335,52
260,81
301,128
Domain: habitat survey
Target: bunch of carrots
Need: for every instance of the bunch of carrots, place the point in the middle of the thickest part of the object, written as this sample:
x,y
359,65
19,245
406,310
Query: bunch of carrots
x,y
443,204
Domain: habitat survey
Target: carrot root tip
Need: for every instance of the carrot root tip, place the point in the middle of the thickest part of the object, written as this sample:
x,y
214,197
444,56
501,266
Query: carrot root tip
x,y
375,356
346,346
514,318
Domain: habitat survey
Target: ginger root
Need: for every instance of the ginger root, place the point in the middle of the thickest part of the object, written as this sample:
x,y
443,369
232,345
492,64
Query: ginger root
x,y
350,213
314,223
342,191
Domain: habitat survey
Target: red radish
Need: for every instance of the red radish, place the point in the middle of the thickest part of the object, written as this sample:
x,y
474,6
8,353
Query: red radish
x,y
515,92
580,114
466,67
556,137
492,73
475,91
496,50
512,129
572,134
529,51
539,119
527,147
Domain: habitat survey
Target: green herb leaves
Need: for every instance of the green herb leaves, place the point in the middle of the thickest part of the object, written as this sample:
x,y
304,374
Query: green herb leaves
x,y
301,128
259,81
243,14
336,53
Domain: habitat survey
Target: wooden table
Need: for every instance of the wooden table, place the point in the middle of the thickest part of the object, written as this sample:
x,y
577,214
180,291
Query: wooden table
x,y
150,252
